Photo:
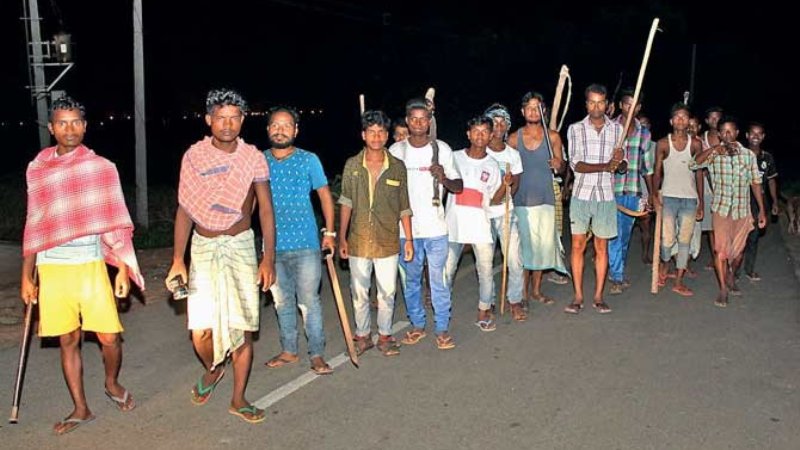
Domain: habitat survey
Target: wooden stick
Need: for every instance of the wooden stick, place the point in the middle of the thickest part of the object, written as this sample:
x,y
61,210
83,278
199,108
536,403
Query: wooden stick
x,y
506,244
562,78
337,294
361,103
23,356
656,253
639,81
429,94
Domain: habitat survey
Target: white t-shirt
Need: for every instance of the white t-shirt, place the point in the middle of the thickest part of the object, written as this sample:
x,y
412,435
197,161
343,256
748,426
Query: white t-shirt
x,y
511,156
468,211
427,221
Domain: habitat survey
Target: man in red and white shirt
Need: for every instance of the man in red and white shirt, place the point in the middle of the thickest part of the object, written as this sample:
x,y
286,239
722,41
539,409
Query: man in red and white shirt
x,y
469,216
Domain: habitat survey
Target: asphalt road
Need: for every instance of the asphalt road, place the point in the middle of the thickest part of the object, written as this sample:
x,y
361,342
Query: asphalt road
x,y
660,372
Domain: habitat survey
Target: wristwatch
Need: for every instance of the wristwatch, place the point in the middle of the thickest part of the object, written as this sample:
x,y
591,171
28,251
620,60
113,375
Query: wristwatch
x,y
327,233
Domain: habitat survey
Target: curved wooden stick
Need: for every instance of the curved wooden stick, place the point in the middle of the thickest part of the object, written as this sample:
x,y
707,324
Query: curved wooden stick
x,y
562,78
632,213
337,295
639,81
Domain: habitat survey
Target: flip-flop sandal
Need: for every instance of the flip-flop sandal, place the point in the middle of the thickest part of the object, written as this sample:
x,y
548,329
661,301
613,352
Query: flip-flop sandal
x,y
249,413
753,276
721,303
486,325
201,394
413,336
389,347
124,403
324,369
445,342
682,290
518,312
363,343
601,307
573,308
280,361
543,299
74,422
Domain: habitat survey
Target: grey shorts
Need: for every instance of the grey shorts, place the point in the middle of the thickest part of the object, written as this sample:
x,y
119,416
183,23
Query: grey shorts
x,y
601,215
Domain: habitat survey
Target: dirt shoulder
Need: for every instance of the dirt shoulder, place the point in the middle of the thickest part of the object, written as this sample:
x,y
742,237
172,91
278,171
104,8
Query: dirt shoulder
x,y
153,262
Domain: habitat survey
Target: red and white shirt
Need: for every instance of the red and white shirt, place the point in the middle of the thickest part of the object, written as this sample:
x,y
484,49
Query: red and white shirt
x,y
468,212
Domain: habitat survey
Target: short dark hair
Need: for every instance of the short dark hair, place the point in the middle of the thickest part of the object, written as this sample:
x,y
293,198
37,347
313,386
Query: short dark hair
x,y
480,120
752,125
728,119
530,95
680,106
284,109
714,109
225,97
375,117
67,103
416,103
595,88
630,92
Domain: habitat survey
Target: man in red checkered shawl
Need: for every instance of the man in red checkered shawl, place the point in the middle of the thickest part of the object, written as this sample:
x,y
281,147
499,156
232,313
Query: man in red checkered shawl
x,y
77,222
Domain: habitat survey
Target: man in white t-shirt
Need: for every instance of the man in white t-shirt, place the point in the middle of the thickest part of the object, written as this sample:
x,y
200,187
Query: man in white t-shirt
x,y
501,152
427,223
468,214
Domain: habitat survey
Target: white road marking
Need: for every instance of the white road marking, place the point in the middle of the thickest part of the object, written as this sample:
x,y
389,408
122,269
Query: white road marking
x,y
287,389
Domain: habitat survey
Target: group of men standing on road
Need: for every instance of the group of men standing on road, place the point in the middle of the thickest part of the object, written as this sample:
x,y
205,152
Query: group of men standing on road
x,y
500,187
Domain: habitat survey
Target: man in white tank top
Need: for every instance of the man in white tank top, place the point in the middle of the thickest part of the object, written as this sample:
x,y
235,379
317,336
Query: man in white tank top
x,y
680,194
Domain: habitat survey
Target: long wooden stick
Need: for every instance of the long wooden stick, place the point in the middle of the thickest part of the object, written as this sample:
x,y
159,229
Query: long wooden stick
x,y
343,319
639,81
562,78
23,356
656,253
506,244
432,130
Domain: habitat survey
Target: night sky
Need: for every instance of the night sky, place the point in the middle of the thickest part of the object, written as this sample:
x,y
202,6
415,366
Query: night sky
x,y
322,54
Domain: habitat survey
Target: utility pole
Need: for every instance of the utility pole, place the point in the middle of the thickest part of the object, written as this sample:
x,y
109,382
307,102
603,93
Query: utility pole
x,y
36,62
141,131
38,51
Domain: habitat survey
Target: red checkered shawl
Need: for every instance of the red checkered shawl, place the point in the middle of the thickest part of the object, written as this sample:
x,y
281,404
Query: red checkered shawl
x,y
214,183
74,195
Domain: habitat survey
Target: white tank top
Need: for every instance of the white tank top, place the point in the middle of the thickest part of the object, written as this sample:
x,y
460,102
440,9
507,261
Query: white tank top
x,y
679,181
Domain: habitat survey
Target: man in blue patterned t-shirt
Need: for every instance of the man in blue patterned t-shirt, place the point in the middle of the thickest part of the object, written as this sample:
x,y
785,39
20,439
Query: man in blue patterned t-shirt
x,y
294,174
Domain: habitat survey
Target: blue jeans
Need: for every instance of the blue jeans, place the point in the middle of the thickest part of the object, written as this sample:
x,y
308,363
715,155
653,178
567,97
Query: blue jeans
x,y
618,247
512,254
435,250
360,281
677,213
296,286
484,254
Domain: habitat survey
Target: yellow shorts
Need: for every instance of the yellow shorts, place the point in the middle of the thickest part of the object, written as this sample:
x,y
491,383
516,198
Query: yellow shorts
x,y
73,296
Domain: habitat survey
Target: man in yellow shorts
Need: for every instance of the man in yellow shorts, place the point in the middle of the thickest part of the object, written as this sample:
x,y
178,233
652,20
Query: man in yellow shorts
x,y
77,222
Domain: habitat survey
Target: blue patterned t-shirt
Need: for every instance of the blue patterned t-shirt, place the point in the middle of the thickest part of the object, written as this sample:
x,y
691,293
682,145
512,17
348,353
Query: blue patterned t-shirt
x,y
292,180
